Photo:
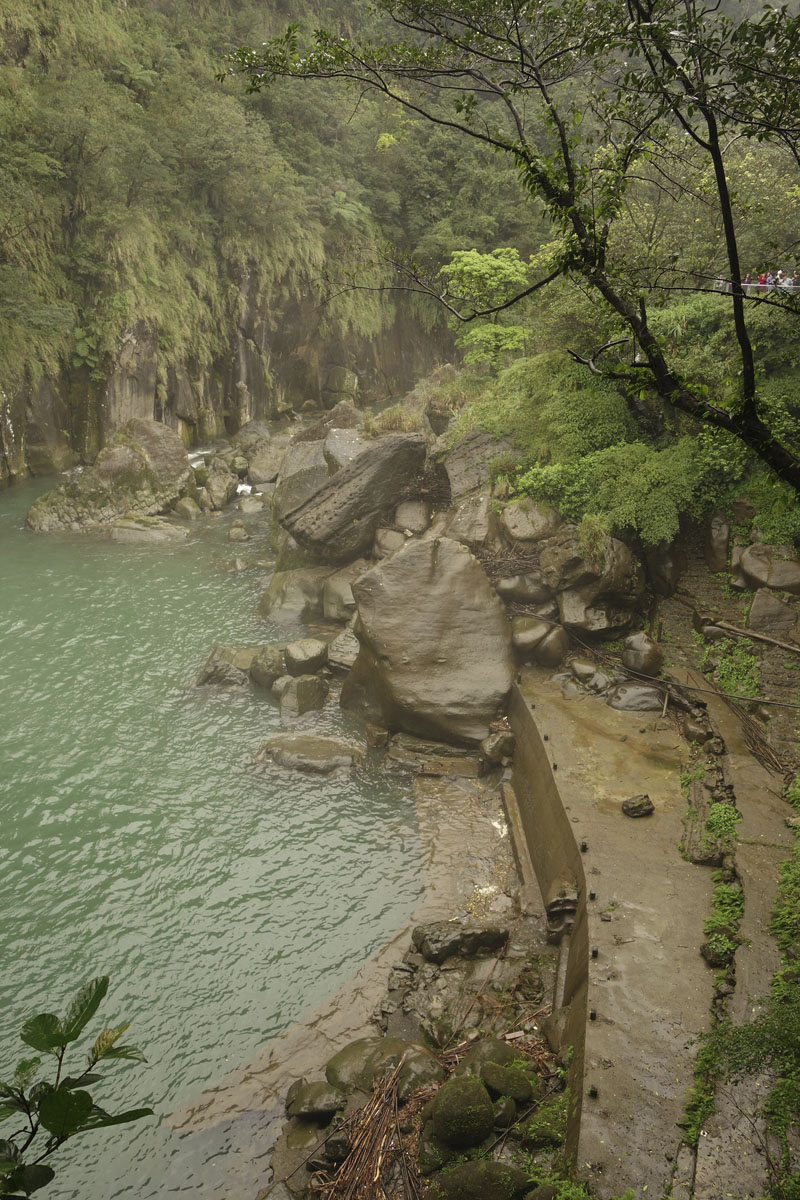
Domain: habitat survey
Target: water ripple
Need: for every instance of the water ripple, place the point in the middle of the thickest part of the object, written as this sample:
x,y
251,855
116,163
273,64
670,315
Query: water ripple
x,y
139,840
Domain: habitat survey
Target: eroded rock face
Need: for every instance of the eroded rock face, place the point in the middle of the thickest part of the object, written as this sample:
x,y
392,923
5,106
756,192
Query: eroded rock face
x,y
143,470
339,520
435,657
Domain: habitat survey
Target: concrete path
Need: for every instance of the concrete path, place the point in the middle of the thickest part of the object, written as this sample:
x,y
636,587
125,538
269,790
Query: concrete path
x,y
649,988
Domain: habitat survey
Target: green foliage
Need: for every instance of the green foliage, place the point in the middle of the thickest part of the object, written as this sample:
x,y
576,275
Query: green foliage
x,y
695,773
638,490
793,792
700,1101
721,928
722,820
52,1111
551,409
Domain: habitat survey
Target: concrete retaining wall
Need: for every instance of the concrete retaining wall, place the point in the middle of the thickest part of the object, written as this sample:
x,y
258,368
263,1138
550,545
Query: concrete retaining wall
x,y
556,859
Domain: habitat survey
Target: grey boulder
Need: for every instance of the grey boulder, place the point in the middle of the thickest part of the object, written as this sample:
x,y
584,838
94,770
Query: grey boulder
x,y
305,693
435,657
338,521
294,595
765,566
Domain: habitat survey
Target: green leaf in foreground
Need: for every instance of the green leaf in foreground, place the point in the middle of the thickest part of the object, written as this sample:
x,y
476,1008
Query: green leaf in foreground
x,y
104,1121
83,1007
63,1113
43,1032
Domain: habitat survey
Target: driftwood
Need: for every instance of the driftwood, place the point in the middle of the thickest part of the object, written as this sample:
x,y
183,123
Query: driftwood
x,y
758,637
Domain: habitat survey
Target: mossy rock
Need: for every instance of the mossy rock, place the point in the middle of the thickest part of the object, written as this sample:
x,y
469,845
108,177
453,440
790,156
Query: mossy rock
x,y
463,1114
433,1153
357,1065
507,1081
318,1099
505,1113
547,1126
489,1050
481,1180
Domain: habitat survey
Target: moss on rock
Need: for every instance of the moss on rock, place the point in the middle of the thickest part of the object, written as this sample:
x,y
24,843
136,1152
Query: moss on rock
x,y
463,1114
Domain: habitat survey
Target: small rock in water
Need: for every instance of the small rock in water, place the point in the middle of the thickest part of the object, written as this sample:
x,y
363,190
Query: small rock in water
x,y
238,533
638,806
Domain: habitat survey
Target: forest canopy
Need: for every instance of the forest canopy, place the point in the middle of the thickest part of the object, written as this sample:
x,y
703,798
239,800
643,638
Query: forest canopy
x,y
623,122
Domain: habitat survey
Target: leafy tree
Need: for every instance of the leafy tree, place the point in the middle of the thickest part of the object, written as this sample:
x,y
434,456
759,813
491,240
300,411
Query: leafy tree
x,y
586,98
49,1112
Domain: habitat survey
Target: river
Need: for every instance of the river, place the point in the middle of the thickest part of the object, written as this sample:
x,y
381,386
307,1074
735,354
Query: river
x,y
137,839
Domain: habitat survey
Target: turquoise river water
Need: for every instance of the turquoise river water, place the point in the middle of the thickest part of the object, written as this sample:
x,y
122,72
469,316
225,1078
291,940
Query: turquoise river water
x,y
137,840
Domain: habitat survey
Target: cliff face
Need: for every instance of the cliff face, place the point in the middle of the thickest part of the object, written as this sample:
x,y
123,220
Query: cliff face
x,y
273,366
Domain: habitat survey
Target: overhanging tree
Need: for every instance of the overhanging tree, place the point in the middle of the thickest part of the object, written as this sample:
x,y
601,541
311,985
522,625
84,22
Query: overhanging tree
x,y
588,98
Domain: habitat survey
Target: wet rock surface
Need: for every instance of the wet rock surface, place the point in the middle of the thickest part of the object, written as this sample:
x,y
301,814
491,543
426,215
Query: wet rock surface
x,y
311,752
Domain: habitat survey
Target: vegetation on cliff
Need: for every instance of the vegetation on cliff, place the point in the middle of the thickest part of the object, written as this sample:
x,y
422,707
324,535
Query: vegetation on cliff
x,y
646,180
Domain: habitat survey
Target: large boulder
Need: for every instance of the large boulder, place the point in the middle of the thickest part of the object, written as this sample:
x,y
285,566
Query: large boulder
x,y
143,470
598,589
772,616
361,1062
468,464
338,522
765,566
221,483
483,1179
304,470
338,603
474,523
343,446
137,530
435,657
264,462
